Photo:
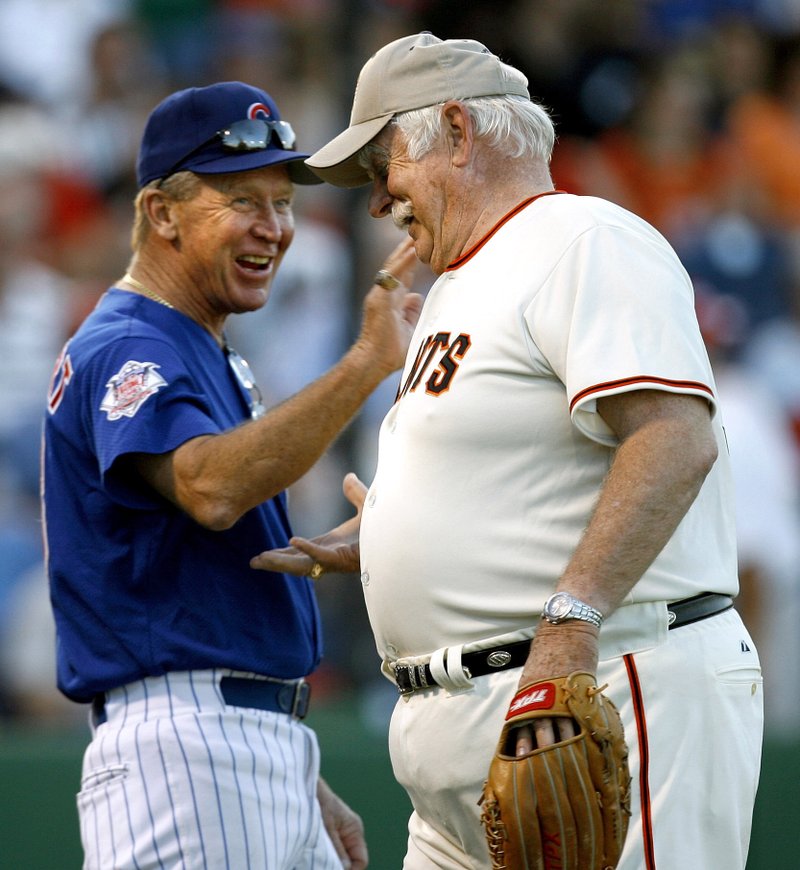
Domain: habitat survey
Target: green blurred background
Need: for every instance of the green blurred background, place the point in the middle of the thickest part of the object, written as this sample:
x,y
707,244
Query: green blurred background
x,y
39,771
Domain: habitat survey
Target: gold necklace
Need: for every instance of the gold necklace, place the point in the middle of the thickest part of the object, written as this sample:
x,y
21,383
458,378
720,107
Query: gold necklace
x,y
146,290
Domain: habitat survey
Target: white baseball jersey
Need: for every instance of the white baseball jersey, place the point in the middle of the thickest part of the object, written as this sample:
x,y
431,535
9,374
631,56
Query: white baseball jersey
x,y
492,458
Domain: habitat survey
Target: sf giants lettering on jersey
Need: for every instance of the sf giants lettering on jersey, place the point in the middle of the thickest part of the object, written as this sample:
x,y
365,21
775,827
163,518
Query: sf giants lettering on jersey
x,y
449,353
133,384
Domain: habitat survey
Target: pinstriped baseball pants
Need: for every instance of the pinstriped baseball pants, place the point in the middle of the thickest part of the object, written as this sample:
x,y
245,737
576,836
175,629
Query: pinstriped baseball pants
x,y
176,779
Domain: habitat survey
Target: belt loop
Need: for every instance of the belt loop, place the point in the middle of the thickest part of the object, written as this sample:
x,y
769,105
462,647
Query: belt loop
x,y
448,671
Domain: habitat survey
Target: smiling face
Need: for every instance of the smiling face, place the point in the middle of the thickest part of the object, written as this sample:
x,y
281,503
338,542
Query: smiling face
x,y
232,236
422,196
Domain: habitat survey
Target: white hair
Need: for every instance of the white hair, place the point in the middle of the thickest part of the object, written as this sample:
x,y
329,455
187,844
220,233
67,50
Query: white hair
x,y
514,126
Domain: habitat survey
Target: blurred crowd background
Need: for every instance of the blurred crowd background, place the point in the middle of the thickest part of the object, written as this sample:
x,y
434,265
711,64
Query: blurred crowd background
x,y
685,111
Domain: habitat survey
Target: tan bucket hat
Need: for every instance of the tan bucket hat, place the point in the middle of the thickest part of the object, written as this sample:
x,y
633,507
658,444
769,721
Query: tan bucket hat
x,y
411,73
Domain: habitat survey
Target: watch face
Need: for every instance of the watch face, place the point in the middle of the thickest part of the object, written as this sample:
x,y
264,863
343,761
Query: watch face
x,y
560,605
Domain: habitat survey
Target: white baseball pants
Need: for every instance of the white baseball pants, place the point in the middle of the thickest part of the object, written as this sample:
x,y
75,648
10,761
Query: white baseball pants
x,y
692,709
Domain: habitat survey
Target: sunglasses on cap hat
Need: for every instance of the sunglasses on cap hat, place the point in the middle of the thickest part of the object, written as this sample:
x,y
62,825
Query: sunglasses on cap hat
x,y
249,134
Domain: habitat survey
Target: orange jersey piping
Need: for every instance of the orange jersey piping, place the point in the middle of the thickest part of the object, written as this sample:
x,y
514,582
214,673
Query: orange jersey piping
x,y
503,220
640,379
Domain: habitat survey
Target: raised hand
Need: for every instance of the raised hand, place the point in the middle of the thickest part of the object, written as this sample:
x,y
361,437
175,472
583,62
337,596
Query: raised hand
x,y
335,551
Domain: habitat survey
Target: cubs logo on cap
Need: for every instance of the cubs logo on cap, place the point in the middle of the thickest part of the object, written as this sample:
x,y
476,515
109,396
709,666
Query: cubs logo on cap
x,y
257,110
185,132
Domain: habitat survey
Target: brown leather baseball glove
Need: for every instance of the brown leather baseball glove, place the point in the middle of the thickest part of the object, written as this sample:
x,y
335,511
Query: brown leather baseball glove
x,y
566,805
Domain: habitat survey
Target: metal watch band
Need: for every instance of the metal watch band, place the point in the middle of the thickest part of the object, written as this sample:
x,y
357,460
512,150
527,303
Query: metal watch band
x,y
585,612
562,606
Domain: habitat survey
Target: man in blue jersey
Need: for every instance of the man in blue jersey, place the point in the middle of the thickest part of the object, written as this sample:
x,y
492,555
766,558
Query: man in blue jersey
x,y
163,473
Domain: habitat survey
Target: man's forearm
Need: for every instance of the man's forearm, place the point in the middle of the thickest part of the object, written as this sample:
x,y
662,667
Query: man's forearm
x,y
219,478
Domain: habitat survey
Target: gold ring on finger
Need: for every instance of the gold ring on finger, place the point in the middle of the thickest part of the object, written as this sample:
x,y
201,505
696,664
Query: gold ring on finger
x,y
385,279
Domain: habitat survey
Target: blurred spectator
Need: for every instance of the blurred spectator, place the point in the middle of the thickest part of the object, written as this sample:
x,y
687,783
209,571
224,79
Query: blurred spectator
x,y
739,254
34,312
34,296
674,20
58,245
773,353
741,61
582,62
291,48
45,46
106,122
766,470
765,125
182,36
663,162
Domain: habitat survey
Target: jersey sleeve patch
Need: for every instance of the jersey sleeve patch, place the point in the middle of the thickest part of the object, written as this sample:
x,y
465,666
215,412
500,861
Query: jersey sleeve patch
x,y
130,388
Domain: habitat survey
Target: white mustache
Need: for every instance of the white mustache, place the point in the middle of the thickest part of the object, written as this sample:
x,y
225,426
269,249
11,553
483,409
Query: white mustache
x,y
402,213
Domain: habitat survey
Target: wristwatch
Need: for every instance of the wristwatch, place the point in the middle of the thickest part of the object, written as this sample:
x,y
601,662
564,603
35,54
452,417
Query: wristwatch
x,y
561,606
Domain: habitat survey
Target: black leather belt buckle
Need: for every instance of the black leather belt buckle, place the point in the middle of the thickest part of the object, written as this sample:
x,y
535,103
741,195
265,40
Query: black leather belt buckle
x,y
403,680
411,678
302,698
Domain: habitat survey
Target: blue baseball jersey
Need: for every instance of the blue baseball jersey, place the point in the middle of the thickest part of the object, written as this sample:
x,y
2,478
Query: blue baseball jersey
x,y
138,587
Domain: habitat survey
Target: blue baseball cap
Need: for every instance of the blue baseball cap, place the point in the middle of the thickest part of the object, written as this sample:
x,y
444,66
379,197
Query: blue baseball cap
x,y
224,127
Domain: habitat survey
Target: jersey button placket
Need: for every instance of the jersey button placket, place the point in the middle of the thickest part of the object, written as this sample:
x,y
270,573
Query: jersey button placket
x,y
371,497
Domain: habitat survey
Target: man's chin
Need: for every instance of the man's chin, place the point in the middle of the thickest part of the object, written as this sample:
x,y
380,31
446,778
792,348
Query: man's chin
x,y
422,247
253,299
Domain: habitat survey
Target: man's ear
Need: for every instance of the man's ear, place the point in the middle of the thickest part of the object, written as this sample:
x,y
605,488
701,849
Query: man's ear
x,y
458,130
161,212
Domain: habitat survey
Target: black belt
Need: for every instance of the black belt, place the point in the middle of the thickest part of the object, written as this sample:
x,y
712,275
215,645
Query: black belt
x,y
414,678
277,697
700,607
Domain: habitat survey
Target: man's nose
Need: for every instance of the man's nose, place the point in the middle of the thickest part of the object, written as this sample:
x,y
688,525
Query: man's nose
x,y
380,202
